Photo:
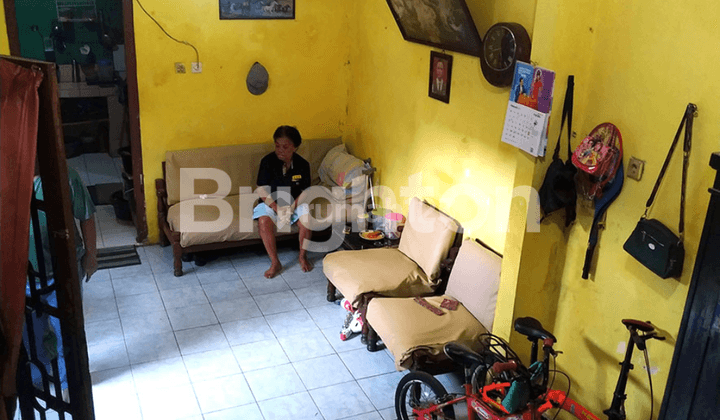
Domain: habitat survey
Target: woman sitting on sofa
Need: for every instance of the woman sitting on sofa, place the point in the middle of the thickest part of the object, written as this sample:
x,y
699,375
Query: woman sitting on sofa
x,y
285,170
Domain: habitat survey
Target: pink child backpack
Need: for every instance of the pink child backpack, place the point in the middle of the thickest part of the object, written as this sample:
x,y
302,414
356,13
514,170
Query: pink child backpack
x,y
598,158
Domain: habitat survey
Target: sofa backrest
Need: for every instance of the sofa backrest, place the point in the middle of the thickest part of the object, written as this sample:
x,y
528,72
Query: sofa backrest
x,y
241,162
475,280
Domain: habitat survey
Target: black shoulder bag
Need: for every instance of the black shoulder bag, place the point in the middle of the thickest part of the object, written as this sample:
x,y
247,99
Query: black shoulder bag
x,y
558,188
652,243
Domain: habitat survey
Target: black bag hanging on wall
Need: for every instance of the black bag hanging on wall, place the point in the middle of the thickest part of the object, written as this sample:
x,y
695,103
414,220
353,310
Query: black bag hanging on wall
x,y
558,187
651,243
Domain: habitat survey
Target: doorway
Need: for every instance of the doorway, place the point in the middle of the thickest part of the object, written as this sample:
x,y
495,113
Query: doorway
x,y
92,44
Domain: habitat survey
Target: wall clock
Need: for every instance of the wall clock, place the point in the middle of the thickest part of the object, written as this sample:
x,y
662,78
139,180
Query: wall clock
x,y
504,44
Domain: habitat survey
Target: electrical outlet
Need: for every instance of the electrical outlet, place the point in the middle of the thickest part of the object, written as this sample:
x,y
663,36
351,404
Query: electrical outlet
x,y
179,68
635,168
196,67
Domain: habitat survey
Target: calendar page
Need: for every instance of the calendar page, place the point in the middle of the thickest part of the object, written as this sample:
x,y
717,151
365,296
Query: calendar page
x,y
525,128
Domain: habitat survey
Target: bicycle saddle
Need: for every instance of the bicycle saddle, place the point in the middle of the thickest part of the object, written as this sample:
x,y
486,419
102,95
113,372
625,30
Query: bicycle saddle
x,y
462,354
533,329
639,325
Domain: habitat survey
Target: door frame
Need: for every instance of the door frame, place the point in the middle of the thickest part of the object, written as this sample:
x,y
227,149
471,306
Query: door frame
x,y
132,98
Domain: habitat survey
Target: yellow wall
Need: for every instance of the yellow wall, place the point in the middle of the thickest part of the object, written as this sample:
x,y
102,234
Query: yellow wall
x,y
4,43
453,149
631,62
305,57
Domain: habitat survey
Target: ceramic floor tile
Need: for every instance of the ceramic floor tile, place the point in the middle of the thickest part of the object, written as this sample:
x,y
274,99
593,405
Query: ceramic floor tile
x,y
276,381
374,415
223,393
363,364
328,315
172,403
381,389
152,322
185,296
202,339
322,371
275,303
95,290
100,309
260,355
226,290
109,330
244,412
211,364
108,355
135,285
314,295
305,346
247,331
344,400
296,406
160,374
332,334
119,405
113,381
131,270
139,304
168,281
100,276
236,309
119,238
255,269
387,414
290,323
218,276
149,347
259,285
191,317
299,279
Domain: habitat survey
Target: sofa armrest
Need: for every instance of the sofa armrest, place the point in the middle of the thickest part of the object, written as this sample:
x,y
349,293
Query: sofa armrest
x,y
161,192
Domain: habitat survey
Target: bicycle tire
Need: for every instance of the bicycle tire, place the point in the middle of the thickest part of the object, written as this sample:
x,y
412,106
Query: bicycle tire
x,y
420,389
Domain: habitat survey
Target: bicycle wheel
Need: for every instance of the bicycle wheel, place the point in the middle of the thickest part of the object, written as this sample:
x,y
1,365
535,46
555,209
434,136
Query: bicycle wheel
x,y
420,390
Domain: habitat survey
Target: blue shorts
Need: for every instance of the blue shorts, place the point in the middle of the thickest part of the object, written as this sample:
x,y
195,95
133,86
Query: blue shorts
x,y
263,209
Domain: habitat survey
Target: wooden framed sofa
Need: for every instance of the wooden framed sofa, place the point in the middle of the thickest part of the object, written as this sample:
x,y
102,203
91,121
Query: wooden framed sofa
x,y
241,164
416,335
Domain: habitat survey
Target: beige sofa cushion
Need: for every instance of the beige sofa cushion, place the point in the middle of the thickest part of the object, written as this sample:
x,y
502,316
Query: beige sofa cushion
x,y
385,271
241,162
475,279
207,213
427,236
410,330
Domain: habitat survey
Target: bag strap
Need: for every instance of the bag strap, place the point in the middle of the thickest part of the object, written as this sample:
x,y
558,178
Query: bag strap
x,y
687,123
567,113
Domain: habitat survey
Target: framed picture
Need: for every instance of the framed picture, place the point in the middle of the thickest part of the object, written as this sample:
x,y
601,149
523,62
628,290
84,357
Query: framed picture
x,y
257,9
443,24
440,72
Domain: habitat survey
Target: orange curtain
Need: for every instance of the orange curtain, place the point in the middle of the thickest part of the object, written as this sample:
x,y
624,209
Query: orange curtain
x,y
19,105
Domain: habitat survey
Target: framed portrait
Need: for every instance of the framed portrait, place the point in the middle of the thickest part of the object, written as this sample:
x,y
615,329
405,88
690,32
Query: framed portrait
x,y
440,72
257,9
443,24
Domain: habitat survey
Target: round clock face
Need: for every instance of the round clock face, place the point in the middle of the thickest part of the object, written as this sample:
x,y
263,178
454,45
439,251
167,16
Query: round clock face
x,y
505,44
499,48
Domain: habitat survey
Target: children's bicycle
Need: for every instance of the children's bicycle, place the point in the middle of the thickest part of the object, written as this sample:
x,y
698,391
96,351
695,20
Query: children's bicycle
x,y
498,386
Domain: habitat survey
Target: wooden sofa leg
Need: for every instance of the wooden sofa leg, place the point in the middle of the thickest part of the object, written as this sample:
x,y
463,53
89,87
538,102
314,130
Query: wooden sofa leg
x,y
177,259
372,338
364,334
330,292
164,241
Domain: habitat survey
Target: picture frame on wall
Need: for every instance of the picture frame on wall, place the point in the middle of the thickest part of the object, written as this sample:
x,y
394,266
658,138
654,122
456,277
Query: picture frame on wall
x,y
447,24
440,76
257,9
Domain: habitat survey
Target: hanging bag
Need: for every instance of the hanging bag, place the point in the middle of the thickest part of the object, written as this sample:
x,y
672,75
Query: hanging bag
x,y
558,188
652,243
598,158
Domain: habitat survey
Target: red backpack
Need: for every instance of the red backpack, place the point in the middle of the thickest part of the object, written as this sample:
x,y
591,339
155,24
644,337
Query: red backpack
x,y
598,158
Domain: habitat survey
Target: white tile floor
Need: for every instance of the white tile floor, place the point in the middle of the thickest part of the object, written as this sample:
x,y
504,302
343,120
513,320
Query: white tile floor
x,y
100,168
223,342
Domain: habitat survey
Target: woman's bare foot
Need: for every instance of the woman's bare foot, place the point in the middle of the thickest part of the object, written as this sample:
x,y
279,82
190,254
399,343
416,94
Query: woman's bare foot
x,y
305,265
273,271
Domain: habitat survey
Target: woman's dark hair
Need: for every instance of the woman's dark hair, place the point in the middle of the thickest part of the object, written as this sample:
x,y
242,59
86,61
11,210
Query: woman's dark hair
x,y
290,132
